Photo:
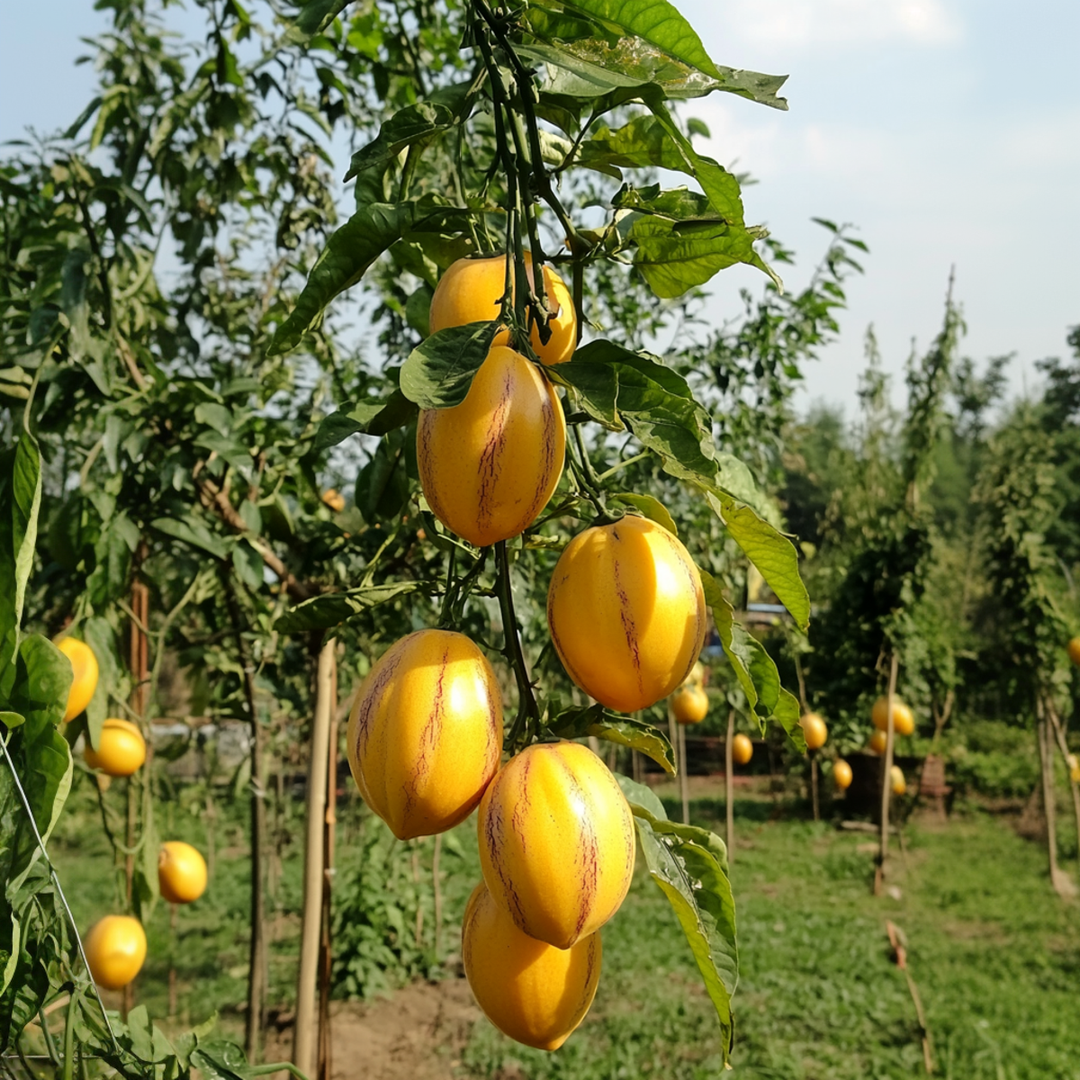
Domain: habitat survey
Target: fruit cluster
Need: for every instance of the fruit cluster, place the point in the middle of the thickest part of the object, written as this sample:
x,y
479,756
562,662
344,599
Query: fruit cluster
x,y
116,944
627,617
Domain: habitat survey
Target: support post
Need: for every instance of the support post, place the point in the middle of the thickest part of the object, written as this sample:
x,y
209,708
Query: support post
x,y
729,785
886,781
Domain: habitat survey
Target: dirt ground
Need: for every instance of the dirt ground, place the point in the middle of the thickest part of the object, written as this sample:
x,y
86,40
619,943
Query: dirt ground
x,y
417,1033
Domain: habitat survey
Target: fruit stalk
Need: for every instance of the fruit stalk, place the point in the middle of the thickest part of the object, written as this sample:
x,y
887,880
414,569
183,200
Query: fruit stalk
x,y
527,722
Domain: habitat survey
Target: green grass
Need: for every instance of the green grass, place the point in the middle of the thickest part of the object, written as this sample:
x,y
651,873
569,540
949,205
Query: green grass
x,y
995,954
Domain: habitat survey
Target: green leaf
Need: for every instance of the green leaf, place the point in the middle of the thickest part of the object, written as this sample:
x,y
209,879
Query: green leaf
x,y
20,503
651,507
195,533
327,611
348,255
98,634
414,124
364,418
689,865
753,667
439,371
11,720
614,727
314,17
658,22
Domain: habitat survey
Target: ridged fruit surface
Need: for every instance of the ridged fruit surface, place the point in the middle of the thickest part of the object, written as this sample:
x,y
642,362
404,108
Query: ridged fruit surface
x,y
121,748
742,749
556,842
181,872
899,784
471,289
878,742
690,704
529,990
626,612
841,772
115,950
84,668
425,732
1074,650
814,731
903,721
489,465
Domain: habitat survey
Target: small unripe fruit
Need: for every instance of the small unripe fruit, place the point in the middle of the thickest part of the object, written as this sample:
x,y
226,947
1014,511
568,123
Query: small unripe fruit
x,y
814,731
181,872
626,612
84,669
842,774
121,748
115,950
690,704
556,842
425,732
531,991
903,720
742,749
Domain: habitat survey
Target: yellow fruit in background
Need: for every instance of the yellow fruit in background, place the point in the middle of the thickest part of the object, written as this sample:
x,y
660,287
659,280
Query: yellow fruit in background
x,y
425,732
556,842
878,741
471,289
181,872
903,721
121,748
84,668
334,499
489,465
899,784
742,749
690,704
841,772
697,674
1074,650
814,731
529,990
626,612
115,950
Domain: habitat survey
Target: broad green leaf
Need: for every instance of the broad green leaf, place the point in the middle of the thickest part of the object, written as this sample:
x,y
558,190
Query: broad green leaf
x,y
12,720
651,507
753,667
327,611
409,126
614,727
98,634
348,255
689,866
439,371
769,550
20,502
313,18
366,418
655,21
195,533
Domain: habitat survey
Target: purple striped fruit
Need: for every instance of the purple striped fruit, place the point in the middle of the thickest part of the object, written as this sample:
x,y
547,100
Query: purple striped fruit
x,y
530,991
556,842
626,612
425,732
489,465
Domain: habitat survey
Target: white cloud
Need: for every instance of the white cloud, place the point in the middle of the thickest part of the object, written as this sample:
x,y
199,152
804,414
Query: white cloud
x,y
803,24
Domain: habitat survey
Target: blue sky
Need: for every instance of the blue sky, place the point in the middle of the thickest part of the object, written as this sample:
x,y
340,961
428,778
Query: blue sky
x,y
948,131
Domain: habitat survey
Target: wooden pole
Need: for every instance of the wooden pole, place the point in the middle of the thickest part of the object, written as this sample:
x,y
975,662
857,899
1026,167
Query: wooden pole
x,y
886,781
729,785
304,1041
814,785
684,776
325,1065
1046,763
1063,745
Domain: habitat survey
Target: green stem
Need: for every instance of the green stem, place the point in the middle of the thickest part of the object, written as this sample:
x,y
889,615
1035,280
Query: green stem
x,y
69,1036
527,722
50,1045
623,464
449,592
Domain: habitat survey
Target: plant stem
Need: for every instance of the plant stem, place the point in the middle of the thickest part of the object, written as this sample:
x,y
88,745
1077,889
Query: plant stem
x,y
527,721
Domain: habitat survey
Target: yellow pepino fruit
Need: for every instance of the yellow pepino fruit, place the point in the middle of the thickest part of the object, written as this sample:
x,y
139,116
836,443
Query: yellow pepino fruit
x,y
531,991
903,720
181,872
878,742
1073,649
121,748
626,612
489,465
742,749
115,950
556,842
842,775
471,291
690,704
814,731
84,669
896,777
425,732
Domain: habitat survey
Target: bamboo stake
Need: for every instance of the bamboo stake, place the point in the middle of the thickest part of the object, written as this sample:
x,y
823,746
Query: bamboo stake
x,y
729,785
325,1064
304,1042
1046,763
1063,746
886,781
